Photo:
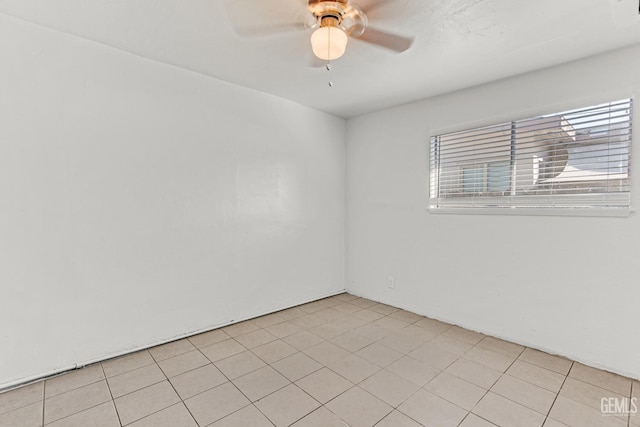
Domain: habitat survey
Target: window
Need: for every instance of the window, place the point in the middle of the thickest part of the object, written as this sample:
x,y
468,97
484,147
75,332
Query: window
x,y
573,159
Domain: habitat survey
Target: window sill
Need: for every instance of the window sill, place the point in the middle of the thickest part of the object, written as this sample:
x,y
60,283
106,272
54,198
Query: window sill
x,y
594,212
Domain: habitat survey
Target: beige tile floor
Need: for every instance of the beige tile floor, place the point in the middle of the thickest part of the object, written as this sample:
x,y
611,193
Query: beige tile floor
x,y
340,361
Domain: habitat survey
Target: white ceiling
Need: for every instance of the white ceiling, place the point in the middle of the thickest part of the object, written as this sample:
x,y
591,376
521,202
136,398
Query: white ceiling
x,y
458,43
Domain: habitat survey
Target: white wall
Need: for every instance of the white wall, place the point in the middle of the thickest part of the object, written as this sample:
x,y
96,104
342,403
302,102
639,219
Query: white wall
x,y
569,285
139,202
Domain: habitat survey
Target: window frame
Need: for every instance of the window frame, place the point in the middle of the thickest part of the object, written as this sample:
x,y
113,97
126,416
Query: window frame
x,y
555,203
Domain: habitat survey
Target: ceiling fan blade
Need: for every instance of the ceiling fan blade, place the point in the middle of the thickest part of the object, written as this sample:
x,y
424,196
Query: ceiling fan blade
x,y
268,30
389,41
371,7
250,18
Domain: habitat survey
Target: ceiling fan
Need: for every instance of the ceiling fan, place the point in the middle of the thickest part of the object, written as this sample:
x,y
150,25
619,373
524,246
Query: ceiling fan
x,y
333,23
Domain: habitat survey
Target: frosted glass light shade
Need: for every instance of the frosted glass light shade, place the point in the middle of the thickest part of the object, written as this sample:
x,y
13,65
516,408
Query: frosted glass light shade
x,y
329,43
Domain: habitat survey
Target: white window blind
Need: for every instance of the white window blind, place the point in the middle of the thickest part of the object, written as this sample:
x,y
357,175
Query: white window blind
x,y
572,159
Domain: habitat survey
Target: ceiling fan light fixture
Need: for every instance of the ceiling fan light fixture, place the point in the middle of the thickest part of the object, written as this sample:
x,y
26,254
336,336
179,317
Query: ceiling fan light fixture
x,y
329,42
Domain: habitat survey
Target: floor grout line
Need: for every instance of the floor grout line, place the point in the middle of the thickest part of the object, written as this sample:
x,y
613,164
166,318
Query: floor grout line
x,y
44,395
85,409
557,394
631,402
182,402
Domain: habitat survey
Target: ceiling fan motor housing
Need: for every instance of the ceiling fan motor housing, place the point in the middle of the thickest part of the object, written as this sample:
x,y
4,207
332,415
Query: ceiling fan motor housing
x,y
334,10
340,14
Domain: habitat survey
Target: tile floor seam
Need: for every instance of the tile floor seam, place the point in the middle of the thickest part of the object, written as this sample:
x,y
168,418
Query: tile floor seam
x,y
583,405
138,389
544,369
236,387
633,384
234,412
449,365
555,398
263,414
314,399
306,375
19,407
507,398
630,403
338,395
512,401
325,367
44,395
81,411
518,403
395,408
385,417
147,416
507,369
211,361
128,372
198,394
204,391
469,411
155,412
175,355
524,347
266,395
436,336
539,365
593,386
354,383
465,417
350,388
482,418
198,347
113,401
182,402
270,363
486,393
83,385
245,373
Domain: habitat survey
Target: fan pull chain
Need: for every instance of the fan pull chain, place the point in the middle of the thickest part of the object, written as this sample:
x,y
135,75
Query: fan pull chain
x,y
329,56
